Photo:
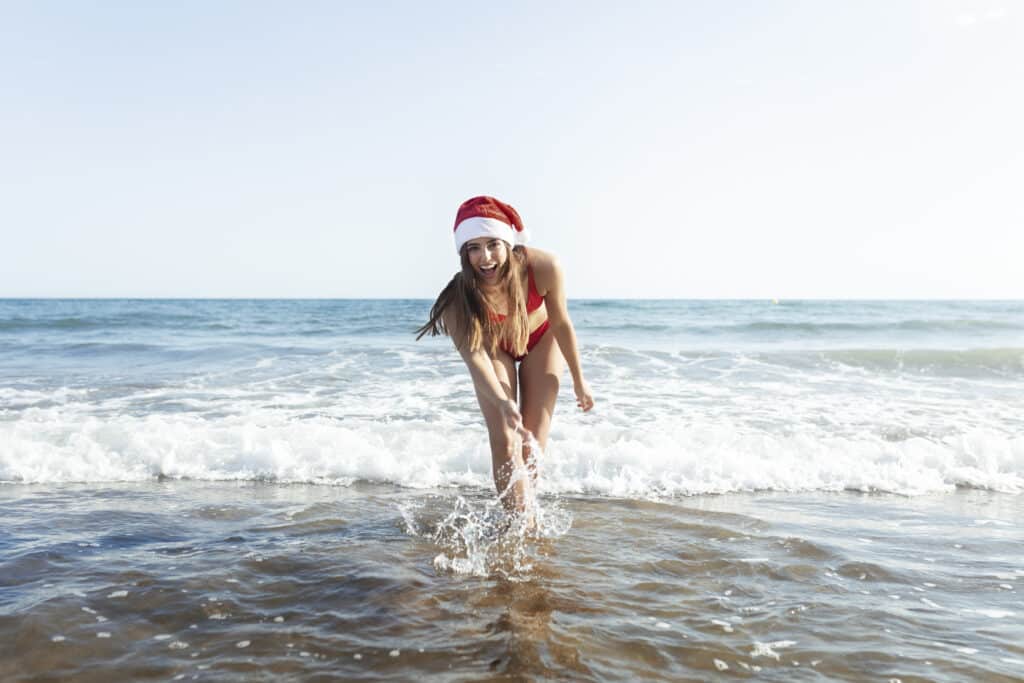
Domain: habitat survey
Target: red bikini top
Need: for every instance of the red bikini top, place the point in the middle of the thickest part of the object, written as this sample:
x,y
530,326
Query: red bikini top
x,y
533,297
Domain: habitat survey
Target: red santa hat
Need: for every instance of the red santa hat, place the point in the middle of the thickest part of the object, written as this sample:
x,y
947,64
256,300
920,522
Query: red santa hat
x,y
488,217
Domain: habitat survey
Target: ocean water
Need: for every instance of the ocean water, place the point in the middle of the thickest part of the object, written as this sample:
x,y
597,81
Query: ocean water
x,y
297,490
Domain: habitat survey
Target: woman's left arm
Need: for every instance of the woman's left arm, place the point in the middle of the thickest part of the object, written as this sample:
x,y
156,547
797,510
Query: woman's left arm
x,y
561,325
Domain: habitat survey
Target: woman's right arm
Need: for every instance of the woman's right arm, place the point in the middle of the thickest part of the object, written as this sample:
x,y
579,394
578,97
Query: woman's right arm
x,y
485,381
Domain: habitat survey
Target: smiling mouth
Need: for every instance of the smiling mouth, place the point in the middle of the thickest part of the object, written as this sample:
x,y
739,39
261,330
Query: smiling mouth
x,y
487,271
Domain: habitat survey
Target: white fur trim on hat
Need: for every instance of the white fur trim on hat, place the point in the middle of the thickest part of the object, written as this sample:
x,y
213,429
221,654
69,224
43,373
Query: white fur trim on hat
x,y
478,226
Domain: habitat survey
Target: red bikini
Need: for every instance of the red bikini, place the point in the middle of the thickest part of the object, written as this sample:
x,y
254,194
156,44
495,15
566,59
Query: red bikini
x,y
533,302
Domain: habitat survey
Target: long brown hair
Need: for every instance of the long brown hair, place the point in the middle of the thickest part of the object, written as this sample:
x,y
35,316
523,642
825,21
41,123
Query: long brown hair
x,y
474,324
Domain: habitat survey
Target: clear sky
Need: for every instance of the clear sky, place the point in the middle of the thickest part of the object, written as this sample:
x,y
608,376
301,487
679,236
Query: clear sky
x,y
818,149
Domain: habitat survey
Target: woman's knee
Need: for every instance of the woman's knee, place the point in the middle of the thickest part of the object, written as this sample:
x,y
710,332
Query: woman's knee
x,y
503,439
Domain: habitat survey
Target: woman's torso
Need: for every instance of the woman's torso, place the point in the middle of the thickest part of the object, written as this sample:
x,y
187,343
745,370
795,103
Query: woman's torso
x,y
536,312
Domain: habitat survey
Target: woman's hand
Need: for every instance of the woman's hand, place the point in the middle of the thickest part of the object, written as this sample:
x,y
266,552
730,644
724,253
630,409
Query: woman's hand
x,y
514,420
583,398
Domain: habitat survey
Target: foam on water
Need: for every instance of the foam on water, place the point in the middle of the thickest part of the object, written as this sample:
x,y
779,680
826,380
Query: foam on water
x,y
692,397
675,456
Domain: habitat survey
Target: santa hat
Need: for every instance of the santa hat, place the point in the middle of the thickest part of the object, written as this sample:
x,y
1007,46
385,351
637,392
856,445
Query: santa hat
x,y
488,217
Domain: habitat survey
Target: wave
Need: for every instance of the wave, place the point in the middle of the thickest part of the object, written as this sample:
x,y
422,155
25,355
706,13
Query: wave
x,y
916,325
624,328
1000,362
773,329
673,458
60,324
932,361
120,324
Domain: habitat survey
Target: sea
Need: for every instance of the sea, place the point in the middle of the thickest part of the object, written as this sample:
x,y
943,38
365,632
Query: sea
x,y
298,490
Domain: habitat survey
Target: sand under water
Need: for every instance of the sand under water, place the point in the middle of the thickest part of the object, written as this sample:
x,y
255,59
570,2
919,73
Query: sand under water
x,y
180,580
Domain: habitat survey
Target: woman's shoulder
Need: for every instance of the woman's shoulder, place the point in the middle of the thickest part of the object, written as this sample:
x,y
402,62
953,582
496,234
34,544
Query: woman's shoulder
x,y
545,267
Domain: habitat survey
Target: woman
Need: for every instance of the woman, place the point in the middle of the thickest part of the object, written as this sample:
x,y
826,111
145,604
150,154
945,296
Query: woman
x,y
507,306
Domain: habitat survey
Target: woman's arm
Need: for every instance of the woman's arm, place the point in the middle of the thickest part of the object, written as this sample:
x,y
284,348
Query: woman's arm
x,y
485,381
550,280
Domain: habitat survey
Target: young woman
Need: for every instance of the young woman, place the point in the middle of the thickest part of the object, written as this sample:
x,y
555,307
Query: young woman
x,y
507,307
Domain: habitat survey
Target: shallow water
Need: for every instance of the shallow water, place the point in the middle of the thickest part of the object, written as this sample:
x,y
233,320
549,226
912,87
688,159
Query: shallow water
x,y
180,580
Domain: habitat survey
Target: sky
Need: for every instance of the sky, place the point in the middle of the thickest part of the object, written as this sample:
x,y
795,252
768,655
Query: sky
x,y
789,149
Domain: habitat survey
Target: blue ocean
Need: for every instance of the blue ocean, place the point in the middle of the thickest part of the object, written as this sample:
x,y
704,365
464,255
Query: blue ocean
x,y
297,489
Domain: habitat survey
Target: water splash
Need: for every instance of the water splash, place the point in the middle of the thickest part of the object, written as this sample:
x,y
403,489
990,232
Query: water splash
x,y
486,538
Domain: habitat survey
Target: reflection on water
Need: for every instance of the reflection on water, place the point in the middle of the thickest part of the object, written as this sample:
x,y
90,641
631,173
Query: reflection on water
x,y
533,645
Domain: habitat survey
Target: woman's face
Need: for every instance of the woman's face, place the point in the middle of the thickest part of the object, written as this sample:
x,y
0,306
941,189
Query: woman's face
x,y
487,255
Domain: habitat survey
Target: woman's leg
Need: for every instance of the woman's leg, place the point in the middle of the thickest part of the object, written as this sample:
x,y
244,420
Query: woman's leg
x,y
539,375
505,457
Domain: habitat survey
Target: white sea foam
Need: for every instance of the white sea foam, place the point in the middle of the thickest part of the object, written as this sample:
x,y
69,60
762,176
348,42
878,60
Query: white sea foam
x,y
586,454
992,613
692,397
768,649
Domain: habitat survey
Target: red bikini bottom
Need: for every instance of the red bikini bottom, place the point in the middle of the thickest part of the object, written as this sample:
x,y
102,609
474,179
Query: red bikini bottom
x,y
531,342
